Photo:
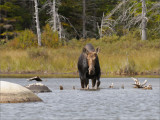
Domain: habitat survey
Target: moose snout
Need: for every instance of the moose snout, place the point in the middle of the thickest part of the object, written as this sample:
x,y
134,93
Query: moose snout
x,y
91,71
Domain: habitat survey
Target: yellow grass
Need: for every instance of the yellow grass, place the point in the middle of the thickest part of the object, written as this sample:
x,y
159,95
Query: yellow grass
x,y
114,58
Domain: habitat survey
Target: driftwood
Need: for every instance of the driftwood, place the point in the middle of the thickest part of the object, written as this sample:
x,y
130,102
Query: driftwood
x,y
37,78
137,84
149,87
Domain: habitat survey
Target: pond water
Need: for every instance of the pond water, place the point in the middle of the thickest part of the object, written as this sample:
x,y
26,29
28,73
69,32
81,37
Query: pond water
x,y
104,104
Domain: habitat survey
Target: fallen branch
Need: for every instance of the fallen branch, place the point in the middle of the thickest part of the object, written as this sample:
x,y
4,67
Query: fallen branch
x,y
139,85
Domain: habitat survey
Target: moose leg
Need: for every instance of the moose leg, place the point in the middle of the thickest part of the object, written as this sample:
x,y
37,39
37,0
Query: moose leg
x,y
98,83
93,82
87,83
82,83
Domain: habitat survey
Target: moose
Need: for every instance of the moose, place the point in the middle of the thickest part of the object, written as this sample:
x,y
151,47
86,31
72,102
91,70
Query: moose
x,y
88,66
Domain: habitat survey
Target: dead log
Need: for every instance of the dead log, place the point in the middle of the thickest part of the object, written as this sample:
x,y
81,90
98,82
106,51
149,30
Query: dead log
x,y
149,87
137,84
37,78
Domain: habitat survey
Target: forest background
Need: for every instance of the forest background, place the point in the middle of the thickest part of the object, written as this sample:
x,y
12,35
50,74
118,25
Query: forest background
x,y
115,26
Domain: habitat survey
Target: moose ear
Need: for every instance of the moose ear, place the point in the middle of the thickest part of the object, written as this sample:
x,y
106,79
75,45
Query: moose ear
x,y
97,50
85,51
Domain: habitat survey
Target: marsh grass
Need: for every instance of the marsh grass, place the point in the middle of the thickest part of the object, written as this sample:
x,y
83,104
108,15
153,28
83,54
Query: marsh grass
x,y
120,56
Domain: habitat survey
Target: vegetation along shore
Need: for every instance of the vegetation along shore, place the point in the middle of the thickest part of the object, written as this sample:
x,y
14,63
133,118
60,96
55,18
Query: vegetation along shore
x,y
118,56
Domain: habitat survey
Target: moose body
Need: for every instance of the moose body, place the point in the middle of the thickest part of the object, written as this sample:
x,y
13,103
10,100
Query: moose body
x,y
88,66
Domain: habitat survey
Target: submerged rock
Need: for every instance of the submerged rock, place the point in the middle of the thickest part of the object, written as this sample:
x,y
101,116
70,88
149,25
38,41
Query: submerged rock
x,y
14,93
38,88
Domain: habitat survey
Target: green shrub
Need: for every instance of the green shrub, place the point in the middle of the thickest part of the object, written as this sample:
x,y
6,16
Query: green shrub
x,y
49,38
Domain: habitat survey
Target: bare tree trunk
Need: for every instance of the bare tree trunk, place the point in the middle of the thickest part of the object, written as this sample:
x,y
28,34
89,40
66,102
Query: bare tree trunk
x,y
54,16
123,16
60,27
101,35
37,23
94,22
144,21
84,19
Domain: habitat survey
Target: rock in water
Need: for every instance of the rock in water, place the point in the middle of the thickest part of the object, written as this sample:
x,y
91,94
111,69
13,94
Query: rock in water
x,y
38,88
61,87
14,93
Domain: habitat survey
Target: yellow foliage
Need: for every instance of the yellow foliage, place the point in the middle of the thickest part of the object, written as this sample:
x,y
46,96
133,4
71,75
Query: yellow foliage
x,y
49,38
25,39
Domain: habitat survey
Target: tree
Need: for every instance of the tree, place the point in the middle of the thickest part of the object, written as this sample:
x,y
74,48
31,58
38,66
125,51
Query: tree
x,y
107,23
94,13
83,16
84,19
15,16
144,21
133,15
37,23
70,12
54,16
80,18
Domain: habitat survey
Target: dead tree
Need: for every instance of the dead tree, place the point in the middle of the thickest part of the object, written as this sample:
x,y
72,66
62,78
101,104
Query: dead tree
x,y
130,16
55,20
59,27
107,23
37,23
144,21
101,26
54,16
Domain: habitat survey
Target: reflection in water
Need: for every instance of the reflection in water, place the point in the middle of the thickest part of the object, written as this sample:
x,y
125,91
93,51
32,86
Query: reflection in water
x,y
111,104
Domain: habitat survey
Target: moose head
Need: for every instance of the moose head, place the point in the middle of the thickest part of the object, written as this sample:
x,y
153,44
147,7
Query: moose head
x,y
91,59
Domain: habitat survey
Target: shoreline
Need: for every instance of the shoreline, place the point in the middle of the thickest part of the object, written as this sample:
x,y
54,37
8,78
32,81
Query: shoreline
x,y
72,75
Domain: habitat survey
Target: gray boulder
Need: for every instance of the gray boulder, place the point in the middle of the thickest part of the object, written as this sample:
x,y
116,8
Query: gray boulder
x,y
14,93
38,88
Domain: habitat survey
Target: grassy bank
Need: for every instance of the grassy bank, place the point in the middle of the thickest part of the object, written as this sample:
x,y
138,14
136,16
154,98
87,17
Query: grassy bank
x,y
118,56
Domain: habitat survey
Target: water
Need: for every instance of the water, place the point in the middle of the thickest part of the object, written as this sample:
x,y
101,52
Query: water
x,y
105,104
